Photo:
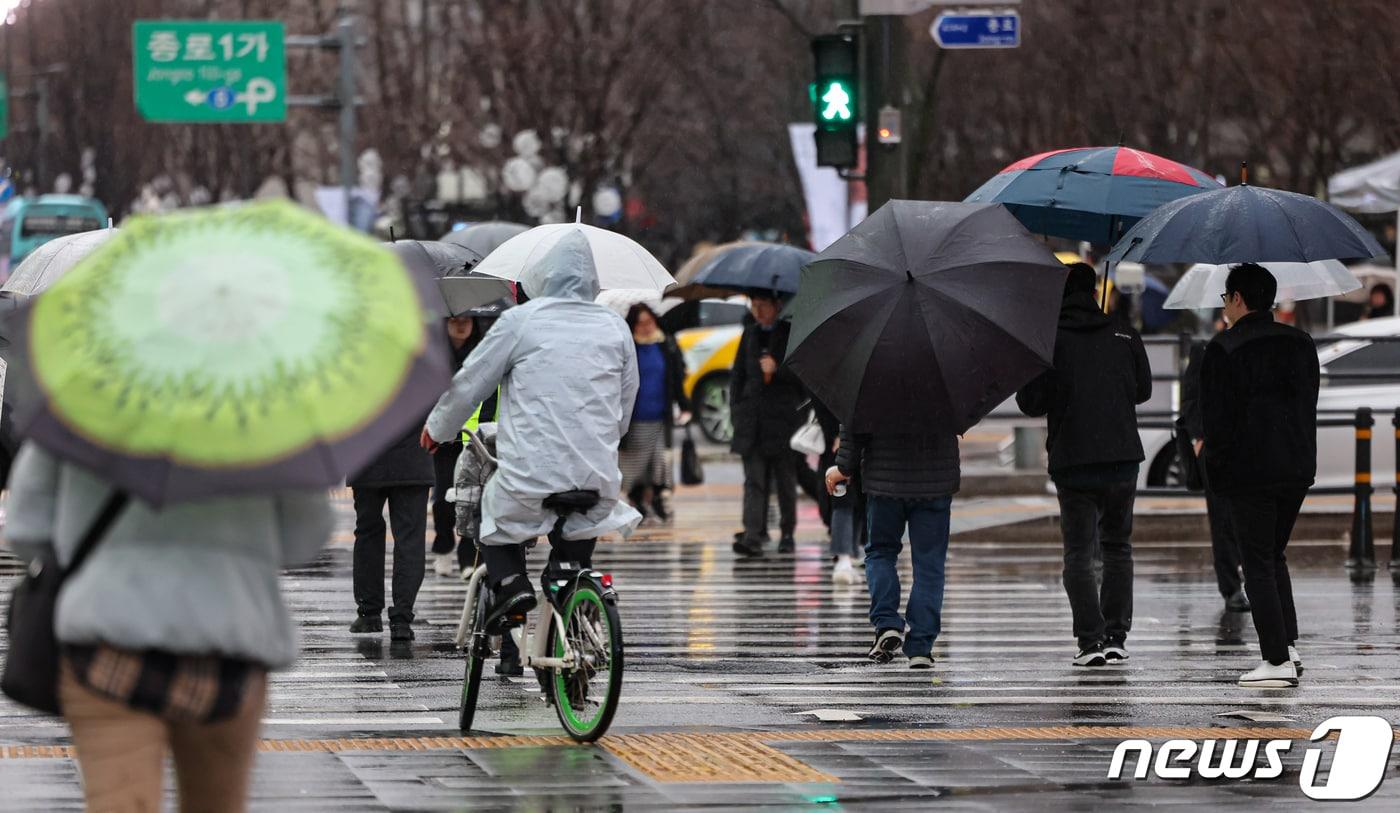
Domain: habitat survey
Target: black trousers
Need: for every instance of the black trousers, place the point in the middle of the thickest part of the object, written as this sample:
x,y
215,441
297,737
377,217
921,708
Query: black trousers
x,y
1263,523
761,474
408,518
1225,548
444,512
1099,518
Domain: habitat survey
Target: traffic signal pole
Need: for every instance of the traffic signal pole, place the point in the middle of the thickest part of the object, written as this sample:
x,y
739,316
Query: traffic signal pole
x,y
886,42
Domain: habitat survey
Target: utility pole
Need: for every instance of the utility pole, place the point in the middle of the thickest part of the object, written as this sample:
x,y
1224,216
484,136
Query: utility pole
x,y
886,59
345,93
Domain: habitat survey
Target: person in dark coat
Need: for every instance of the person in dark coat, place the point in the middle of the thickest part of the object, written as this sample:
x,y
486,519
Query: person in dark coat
x,y
464,333
399,477
646,469
1259,385
1225,548
1090,396
908,481
764,397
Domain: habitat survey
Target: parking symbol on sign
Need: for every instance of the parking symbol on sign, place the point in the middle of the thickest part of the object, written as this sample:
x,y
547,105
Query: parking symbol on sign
x,y
221,98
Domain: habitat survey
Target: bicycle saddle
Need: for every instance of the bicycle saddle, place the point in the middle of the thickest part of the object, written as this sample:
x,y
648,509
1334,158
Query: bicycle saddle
x,y
572,502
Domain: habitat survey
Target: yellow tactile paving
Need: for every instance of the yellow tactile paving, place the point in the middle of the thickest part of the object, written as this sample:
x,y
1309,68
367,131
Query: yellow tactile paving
x,y
710,758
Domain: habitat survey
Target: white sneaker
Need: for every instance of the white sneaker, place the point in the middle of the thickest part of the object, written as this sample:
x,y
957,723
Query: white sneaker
x,y
921,662
843,573
1297,659
1268,676
445,564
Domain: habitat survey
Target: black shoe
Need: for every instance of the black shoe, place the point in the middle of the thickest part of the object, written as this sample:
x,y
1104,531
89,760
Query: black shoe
x,y
514,599
367,623
1091,655
887,642
400,631
510,667
1237,603
787,545
747,550
1115,651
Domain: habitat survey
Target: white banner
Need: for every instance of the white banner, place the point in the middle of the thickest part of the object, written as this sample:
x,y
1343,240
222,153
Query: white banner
x,y
833,204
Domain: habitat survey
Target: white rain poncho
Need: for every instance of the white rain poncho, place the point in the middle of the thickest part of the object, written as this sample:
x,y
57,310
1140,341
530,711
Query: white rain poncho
x,y
568,377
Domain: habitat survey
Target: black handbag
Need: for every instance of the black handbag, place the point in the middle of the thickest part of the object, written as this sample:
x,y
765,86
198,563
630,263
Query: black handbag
x,y
31,665
692,471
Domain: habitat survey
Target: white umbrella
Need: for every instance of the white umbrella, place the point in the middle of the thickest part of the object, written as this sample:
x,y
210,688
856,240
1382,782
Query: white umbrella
x,y
621,262
52,260
621,300
1203,285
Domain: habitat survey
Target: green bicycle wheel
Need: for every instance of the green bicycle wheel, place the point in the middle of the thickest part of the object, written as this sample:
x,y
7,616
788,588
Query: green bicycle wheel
x,y
585,696
477,650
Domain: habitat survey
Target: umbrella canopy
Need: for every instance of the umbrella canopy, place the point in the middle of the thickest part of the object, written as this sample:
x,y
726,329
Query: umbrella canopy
x,y
1373,187
750,267
925,316
1204,283
621,263
476,295
484,238
52,260
432,260
1090,193
1246,224
229,350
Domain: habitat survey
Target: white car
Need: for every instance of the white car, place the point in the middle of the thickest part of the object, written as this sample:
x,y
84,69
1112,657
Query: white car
x,y
1336,445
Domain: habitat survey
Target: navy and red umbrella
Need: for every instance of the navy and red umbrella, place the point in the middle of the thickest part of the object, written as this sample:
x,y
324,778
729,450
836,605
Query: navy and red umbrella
x,y
1090,193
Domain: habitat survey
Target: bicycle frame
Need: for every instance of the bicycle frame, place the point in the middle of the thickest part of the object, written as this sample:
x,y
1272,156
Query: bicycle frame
x,y
530,639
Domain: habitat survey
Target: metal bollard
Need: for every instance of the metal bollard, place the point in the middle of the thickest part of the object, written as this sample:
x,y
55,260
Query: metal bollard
x,y
1363,550
1395,534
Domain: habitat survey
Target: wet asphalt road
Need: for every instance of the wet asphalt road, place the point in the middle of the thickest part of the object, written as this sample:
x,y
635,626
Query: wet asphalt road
x,y
743,653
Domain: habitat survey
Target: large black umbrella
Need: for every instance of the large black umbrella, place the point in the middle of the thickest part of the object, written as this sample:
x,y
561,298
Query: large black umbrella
x,y
925,316
1245,224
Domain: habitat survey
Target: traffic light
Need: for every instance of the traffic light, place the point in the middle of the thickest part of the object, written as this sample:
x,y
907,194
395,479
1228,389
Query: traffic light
x,y
836,99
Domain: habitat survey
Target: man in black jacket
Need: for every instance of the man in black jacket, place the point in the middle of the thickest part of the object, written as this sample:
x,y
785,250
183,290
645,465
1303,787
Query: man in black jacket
x,y
1259,383
763,398
909,482
1100,375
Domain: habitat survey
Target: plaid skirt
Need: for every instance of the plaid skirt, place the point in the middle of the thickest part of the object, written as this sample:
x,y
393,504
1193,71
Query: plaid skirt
x,y
643,458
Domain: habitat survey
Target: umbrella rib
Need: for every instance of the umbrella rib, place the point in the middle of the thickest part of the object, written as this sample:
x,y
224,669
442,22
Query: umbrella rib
x,y
964,306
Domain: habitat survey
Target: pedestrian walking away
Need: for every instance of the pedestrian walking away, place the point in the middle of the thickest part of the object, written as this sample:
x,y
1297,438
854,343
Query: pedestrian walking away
x,y
399,478
1259,387
764,400
643,454
566,368
1089,397
1225,547
464,333
167,631
909,481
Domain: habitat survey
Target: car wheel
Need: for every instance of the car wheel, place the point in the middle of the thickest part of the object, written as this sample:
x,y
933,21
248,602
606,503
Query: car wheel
x,y
712,409
1166,470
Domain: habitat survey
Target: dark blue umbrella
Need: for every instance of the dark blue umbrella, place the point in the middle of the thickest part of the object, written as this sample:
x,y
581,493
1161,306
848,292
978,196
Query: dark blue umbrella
x,y
1246,224
754,268
1090,193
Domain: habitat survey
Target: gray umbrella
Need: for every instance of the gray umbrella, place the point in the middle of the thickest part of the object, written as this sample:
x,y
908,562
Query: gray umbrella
x,y
483,238
925,316
1245,224
431,260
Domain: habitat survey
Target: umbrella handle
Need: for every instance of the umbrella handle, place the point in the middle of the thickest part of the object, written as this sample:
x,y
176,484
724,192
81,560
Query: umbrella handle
x,y
478,448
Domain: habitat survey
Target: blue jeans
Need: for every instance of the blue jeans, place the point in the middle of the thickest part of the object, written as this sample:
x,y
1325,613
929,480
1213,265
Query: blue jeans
x,y
927,521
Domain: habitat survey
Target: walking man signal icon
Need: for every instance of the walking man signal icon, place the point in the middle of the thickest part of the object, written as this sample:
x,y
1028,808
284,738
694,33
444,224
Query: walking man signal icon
x,y
838,103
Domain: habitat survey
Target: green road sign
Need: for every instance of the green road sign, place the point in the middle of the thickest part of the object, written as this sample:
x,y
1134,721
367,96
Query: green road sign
x,y
210,71
4,105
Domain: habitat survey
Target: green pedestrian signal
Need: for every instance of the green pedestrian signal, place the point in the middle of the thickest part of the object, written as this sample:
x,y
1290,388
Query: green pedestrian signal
x,y
836,99
836,103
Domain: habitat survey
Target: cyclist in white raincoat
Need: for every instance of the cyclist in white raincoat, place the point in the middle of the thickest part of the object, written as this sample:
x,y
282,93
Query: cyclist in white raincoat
x,y
567,372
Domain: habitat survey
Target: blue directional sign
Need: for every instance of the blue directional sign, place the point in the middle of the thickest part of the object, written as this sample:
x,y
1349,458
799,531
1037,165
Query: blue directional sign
x,y
977,30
